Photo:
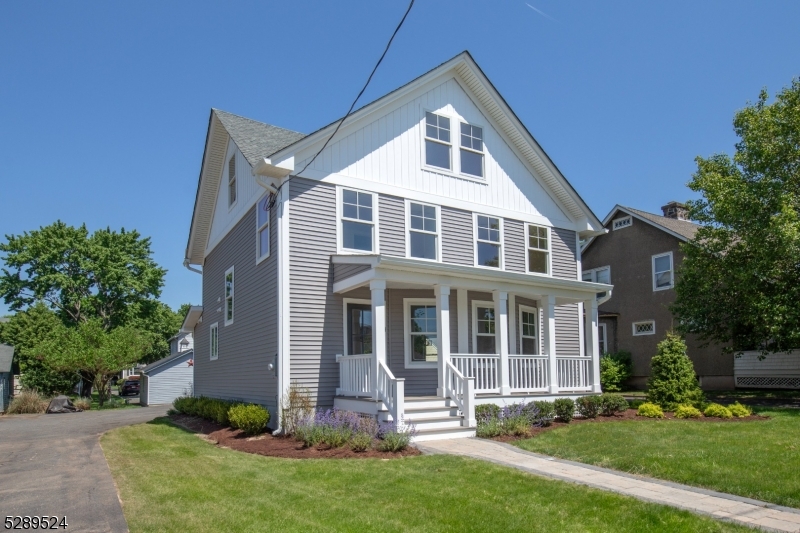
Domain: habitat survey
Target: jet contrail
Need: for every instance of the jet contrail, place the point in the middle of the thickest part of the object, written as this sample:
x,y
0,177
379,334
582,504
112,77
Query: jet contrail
x,y
542,13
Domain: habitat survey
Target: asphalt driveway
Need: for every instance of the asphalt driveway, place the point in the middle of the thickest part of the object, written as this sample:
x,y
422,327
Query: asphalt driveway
x,y
52,465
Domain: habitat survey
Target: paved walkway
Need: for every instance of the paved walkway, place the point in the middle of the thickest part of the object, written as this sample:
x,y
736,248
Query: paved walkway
x,y
52,465
744,511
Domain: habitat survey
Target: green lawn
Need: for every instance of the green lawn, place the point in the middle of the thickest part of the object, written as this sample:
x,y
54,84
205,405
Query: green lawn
x,y
171,480
755,459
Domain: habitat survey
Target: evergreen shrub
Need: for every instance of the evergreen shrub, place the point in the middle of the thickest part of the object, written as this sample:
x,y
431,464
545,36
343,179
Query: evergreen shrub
x,y
672,379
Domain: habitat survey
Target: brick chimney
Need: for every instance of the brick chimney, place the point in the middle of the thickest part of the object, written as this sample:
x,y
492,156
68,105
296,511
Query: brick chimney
x,y
675,210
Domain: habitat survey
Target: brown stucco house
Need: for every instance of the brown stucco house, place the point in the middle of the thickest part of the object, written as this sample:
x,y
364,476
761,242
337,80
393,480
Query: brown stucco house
x,y
639,255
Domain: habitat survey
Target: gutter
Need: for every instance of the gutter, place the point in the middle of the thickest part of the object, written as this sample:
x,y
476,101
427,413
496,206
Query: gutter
x,y
190,267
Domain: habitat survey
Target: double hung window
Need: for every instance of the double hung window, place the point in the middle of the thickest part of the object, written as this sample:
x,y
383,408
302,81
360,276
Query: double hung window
x,y
538,249
488,251
471,150
358,221
423,232
232,180
422,333
262,227
229,296
663,277
529,344
437,141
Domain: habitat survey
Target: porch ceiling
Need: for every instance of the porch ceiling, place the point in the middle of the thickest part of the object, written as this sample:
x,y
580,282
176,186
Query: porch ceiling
x,y
404,273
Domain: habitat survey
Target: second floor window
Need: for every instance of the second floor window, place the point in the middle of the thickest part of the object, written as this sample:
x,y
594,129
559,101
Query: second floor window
x,y
358,221
423,232
471,150
662,272
232,181
538,250
437,141
229,296
262,227
487,244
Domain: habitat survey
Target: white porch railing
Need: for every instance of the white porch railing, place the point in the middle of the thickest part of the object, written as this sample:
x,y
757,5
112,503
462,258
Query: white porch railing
x,y
528,373
574,373
355,375
391,391
461,389
484,368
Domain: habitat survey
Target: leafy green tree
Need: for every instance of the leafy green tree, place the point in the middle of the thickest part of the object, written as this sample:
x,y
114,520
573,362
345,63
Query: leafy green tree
x,y
160,321
672,379
91,348
739,284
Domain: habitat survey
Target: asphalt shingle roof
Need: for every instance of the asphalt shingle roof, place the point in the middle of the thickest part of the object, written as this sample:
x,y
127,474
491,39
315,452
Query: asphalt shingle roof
x,y
6,356
681,227
256,139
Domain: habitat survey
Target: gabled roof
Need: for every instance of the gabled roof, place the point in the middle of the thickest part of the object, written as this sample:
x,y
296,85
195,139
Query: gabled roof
x,y
6,357
165,361
256,139
192,317
684,230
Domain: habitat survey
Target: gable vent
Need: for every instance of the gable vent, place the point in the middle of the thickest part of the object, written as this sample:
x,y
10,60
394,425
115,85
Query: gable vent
x,y
623,222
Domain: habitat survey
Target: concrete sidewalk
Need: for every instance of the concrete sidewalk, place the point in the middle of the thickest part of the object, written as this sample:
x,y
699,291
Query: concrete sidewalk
x,y
736,509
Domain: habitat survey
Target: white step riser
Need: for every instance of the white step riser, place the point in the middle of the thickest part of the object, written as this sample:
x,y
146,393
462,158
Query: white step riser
x,y
429,404
421,425
440,435
421,414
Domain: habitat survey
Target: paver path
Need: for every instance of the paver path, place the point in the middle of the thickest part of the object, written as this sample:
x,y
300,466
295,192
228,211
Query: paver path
x,y
52,465
723,506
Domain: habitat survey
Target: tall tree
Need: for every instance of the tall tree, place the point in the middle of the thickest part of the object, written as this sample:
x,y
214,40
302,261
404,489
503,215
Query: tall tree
x,y
739,284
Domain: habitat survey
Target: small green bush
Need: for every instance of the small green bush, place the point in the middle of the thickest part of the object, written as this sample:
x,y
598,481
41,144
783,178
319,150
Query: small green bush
x,y
394,439
208,408
564,409
740,411
83,404
588,406
615,370
28,402
717,411
547,412
687,411
309,434
634,404
672,379
252,419
361,442
489,428
611,404
650,410
487,410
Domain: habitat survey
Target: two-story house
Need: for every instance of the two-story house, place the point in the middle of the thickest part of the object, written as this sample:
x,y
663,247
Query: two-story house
x,y
640,256
426,261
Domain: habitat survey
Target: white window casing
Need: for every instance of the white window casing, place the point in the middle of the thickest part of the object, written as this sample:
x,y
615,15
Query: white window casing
x,y
421,333
423,231
602,338
488,238
438,141
663,272
471,155
484,328
346,302
538,259
529,323
623,222
644,327
357,225
228,308
232,181
262,228
213,341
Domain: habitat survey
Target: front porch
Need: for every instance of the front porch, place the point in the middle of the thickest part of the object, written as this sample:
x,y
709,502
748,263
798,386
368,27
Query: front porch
x,y
426,342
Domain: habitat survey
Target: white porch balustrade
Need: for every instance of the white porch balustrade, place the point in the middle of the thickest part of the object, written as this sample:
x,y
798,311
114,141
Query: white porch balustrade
x,y
529,373
355,375
484,368
391,391
461,389
574,373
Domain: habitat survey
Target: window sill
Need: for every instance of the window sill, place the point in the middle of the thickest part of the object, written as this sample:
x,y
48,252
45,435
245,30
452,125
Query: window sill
x,y
259,260
658,289
348,251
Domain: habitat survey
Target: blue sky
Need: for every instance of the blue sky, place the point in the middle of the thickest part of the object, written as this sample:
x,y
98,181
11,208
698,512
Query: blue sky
x,y
105,104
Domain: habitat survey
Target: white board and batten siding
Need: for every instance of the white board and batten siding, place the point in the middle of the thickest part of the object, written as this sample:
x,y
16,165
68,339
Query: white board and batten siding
x,y
171,380
774,371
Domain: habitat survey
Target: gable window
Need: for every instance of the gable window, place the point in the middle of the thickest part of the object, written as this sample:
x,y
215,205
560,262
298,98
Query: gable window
x,y
645,327
623,222
483,326
213,340
232,181
538,249
421,340
358,221
423,231
487,242
663,274
359,329
437,141
471,150
229,296
262,227
528,339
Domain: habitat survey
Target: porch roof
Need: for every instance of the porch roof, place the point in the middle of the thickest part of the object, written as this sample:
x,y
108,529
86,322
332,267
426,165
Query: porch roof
x,y
401,272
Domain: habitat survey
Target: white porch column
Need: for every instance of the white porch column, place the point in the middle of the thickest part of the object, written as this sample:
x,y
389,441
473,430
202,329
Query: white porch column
x,y
512,324
378,291
501,334
443,333
549,338
463,321
592,341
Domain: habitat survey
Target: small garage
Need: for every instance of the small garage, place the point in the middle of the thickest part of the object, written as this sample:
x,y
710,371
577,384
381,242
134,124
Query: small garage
x,y
167,379
6,358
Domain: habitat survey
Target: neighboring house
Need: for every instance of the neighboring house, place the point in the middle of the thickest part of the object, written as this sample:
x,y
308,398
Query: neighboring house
x,y
426,261
172,376
6,376
640,255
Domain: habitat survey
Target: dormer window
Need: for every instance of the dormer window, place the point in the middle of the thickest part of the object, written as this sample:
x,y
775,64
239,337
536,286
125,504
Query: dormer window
x,y
437,141
472,150
232,181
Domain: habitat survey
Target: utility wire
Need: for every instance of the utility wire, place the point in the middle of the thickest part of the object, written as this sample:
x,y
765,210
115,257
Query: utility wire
x,y
339,125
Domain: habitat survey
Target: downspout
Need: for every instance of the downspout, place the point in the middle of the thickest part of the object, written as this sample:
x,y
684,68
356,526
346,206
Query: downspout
x,y
190,267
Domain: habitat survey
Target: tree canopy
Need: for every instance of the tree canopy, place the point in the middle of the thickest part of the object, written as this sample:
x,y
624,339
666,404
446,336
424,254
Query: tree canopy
x,y
739,284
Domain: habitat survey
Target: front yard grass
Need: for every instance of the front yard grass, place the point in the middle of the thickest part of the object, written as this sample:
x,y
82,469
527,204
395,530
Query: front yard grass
x,y
171,480
758,459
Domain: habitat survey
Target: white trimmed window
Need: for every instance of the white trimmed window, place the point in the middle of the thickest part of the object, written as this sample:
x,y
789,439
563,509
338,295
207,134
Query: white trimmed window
x,y
421,341
484,336
538,249
528,326
645,327
437,141
663,273
213,340
623,222
357,223
602,339
229,296
488,239
423,231
232,180
262,228
471,150
598,275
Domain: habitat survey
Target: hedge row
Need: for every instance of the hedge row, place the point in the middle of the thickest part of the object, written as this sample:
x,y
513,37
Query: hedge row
x,y
250,418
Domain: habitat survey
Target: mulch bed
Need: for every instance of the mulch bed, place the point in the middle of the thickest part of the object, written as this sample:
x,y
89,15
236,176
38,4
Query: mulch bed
x,y
628,415
276,446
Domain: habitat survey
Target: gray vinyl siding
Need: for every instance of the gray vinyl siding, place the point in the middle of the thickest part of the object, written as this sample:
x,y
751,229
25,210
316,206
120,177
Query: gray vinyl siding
x,y
565,260
392,224
568,339
342,271
457,244
250,344
514,243
170,381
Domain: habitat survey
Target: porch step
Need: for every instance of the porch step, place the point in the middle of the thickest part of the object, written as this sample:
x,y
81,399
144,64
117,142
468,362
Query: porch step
x,y
427,402
445,422
447,433
424,413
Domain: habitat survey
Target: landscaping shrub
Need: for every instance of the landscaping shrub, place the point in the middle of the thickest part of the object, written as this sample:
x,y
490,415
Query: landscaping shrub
x,y
650,410
488,421
672,379
28,402
296,407
487,410
337,426
547,412
611,404
252,419
739,411
634,404
82,403
615,370
111,403
588,406
208,408
361,442
394,439
515,420
564,409
307,432
717,411
687,411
